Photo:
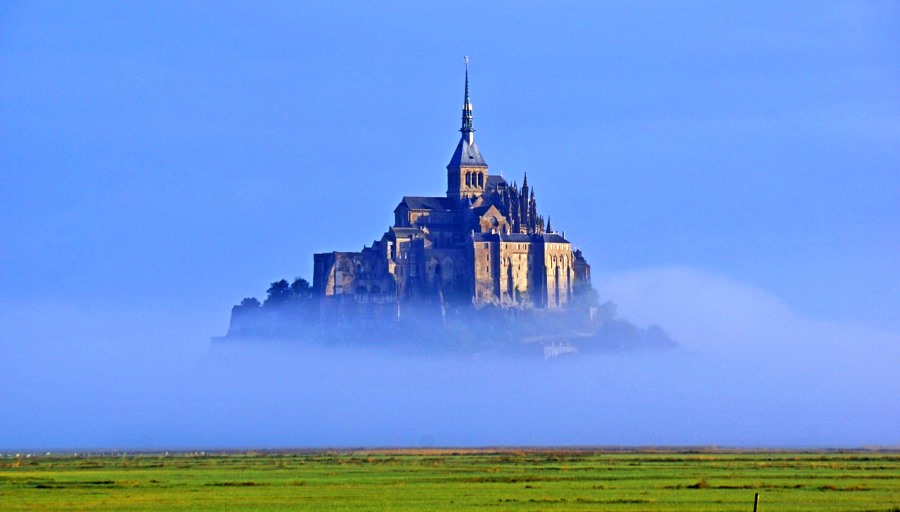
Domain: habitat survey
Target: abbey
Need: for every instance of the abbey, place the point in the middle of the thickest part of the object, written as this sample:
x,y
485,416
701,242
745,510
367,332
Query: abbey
x,y
483,242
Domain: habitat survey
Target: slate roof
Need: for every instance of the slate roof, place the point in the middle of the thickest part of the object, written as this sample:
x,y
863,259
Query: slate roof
x,y
519,237
427,203
485,237
554,238
516,237
467,154
480,210
495,181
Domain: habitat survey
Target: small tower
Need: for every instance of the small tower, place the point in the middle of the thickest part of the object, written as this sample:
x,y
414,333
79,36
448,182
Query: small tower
x,y
467,173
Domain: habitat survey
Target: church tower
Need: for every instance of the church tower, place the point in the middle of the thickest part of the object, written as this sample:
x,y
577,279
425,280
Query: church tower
x,y
467,173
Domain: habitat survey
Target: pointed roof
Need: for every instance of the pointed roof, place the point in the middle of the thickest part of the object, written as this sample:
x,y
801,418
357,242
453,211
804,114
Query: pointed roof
x,y
467,153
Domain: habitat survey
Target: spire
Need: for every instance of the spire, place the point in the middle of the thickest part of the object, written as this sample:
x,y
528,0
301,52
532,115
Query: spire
x,y
467,153
467,130
549,229
467,171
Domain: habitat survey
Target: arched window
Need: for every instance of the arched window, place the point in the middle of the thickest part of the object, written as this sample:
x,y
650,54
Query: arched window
x,y
468,179
481,179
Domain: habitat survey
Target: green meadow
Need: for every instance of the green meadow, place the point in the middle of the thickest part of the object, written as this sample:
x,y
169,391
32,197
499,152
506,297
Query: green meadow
x,y
397,480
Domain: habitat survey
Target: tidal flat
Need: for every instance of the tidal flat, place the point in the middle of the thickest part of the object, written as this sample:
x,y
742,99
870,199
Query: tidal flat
x,y
455,479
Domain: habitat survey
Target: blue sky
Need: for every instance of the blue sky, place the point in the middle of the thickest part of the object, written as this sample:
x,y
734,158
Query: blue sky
x,y
161,161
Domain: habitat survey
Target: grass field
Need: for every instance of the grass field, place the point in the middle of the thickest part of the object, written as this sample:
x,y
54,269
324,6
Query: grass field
x,y
455,480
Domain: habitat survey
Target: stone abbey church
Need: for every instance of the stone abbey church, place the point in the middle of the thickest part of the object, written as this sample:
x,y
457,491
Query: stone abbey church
x,y
483,241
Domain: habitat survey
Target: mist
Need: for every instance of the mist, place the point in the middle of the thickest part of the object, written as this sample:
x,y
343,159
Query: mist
x,y
749,373
159,162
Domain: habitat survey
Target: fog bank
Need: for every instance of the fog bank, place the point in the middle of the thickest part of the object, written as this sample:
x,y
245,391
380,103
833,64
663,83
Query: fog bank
x,y
750,373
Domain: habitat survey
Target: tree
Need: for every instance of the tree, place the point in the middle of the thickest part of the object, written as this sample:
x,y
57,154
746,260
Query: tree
x,y
250,303
279,292
300,289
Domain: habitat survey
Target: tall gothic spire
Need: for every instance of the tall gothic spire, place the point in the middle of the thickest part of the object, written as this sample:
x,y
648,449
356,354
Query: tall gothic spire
x,y
467,130
467,171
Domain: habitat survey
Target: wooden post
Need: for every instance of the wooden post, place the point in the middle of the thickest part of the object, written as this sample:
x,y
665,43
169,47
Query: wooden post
x,y
755,502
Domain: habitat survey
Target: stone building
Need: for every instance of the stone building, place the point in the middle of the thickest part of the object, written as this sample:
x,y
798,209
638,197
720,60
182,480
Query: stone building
x,y
483,242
